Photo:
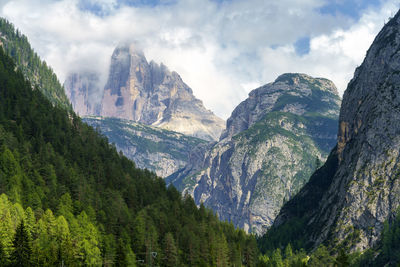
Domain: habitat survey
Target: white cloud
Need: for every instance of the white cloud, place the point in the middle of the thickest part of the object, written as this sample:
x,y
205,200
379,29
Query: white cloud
x,y
220,50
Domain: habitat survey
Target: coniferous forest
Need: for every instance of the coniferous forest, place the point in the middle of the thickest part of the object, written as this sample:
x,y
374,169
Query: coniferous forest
x,y
70,199
17,46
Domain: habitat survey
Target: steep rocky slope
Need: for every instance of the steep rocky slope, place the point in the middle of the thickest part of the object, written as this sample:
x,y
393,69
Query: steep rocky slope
x,y
83,90
147,93
347,202
273,142
153,148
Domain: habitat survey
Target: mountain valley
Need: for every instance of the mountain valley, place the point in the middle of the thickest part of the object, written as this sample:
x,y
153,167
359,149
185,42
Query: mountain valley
x,y
131,169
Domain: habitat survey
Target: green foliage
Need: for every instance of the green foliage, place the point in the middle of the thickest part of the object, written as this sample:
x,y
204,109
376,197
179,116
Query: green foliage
x,y
275,258
342,259
34,69
22,251
170,251
86,204
321,257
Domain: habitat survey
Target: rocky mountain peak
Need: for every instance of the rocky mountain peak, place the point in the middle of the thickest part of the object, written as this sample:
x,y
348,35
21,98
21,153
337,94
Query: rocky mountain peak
x,y
296,79
148,93
291,92
274,141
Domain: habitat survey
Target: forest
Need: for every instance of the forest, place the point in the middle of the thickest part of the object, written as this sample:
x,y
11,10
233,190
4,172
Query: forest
x,y
70,199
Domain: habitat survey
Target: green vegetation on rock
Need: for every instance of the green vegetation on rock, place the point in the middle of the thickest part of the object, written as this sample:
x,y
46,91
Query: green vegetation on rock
x,y
155,149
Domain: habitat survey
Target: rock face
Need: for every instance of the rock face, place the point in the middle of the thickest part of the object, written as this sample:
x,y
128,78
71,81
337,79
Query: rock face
x,y
361,190
85,93
273,142
144,92
155,149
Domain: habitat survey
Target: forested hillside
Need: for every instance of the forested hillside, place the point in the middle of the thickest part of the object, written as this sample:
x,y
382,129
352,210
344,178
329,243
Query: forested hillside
x,y
72,199
34,69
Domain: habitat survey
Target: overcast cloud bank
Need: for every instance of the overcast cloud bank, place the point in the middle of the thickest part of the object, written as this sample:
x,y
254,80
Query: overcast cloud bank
x,y
222,49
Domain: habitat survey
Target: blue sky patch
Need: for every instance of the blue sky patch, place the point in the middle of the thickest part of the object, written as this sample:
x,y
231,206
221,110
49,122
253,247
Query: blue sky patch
x,y
302,46
104,10
351,8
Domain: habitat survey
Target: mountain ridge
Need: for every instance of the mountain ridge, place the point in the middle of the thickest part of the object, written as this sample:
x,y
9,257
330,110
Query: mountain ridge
x,y
274,141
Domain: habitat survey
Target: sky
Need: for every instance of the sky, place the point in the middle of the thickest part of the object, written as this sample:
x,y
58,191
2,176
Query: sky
x,y
221,48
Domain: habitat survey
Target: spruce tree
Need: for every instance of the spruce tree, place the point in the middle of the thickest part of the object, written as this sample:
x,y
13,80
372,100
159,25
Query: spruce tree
x,y
3,256
21,255
342,260
170,251
120,257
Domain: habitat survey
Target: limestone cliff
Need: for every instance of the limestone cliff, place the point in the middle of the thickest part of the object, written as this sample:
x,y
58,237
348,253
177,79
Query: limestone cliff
x,y
149,93
273,142
348,205
143,92
85,93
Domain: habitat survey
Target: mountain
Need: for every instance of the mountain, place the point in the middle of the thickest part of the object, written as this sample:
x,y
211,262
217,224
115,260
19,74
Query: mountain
x,y
273,142
347,203
153,148
83,91
144,92
73,200
29,63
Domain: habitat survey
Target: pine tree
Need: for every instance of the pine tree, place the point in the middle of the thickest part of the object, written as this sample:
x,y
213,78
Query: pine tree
x,y
21,255
222,251
321,257
342,260
170,251
120,257
288,252
276,258
3,256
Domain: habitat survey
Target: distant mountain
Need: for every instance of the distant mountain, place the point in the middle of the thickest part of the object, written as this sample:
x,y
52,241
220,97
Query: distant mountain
x,y
84,92
153,148
273,142
40,75
352,202
143,92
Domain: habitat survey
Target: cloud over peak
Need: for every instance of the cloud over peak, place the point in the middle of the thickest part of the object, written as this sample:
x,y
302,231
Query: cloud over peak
x,y
220,48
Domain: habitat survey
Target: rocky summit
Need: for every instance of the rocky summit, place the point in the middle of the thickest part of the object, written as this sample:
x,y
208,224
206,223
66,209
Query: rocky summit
x,y
144,92
347,203
274,140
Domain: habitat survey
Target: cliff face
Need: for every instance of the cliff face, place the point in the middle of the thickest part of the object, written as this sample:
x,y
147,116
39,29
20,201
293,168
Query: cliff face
x,y
143,92
155,149
363,190
273,142
85,93
149,93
